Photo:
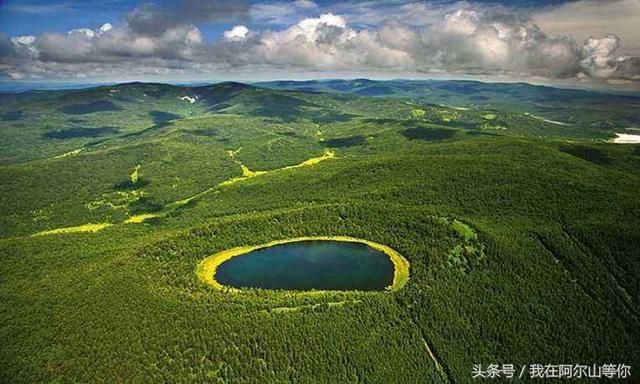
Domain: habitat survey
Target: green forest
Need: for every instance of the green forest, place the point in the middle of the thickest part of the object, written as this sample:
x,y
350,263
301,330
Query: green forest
x,y
521,227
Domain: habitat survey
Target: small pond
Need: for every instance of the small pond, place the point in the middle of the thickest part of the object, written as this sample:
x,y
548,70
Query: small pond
x,y
306,265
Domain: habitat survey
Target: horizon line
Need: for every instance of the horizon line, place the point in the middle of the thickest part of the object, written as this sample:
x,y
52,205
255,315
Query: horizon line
x,y
24,85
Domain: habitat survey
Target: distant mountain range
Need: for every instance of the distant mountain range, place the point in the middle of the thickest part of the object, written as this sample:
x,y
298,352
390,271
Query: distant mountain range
x,y
476,92
87,116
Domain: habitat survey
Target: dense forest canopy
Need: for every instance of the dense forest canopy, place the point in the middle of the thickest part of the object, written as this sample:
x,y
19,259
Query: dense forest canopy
x,y
518,214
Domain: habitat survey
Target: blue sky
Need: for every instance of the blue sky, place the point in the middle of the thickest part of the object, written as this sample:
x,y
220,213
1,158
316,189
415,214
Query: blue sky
x,y
35,17
545,41
31,17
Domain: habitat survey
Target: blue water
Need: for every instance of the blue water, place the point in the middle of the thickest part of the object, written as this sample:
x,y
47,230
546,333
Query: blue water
x,y
306,265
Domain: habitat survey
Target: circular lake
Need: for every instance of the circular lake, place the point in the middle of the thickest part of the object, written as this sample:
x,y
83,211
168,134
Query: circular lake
x,y
311,264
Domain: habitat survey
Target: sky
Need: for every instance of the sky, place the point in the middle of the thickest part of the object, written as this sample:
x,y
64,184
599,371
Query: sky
x,y
580,42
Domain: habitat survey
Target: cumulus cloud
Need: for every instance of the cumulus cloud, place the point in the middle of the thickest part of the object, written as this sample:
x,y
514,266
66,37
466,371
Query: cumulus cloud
x,y
459,39
152,40
587,18
107,44
24,40
106,27
237,33
600,60
148,32
463,41
476,41
325,42
598,56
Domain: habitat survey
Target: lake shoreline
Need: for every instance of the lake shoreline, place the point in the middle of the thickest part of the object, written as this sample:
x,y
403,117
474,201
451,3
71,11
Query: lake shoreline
x,y
206,270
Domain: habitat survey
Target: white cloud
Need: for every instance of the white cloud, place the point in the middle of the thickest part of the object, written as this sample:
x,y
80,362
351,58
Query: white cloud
x,y
24,40
325,42
588,18
110,44
83,31
454,39
106,27
237,33
599,60
462,22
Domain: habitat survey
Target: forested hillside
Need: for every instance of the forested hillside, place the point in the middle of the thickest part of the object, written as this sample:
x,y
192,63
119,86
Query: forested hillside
x,y
521,227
